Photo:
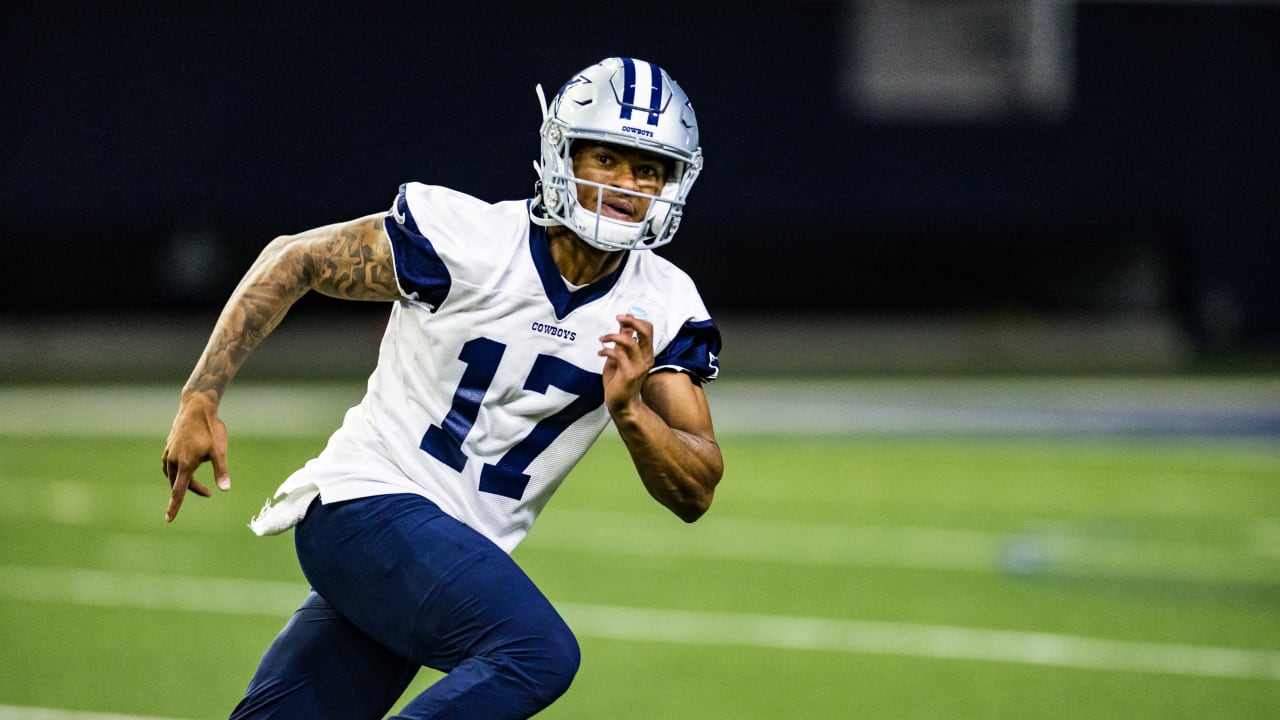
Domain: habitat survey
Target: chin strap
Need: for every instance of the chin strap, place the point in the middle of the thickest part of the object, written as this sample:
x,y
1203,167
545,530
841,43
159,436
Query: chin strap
x,y
537,216
542,100
538,219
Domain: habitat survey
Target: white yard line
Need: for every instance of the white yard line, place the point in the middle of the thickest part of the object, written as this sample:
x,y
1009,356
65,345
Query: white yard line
x,y
284,410
13,712
1060,550
755,540
922,641
100,588
256,597
1035,406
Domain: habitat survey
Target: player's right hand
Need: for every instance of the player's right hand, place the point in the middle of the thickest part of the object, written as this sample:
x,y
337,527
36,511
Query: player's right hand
x,y
198,435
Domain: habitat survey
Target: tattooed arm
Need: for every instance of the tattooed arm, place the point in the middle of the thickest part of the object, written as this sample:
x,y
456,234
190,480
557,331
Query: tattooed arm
x,y
347,260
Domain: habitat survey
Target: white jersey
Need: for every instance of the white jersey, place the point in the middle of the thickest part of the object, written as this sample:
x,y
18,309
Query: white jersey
x,y
488,385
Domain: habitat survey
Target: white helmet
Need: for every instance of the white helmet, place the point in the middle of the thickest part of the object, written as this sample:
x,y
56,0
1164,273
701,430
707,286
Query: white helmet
x,y
622,101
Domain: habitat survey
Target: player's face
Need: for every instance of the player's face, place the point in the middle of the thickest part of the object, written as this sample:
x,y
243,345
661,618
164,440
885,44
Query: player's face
x,y
618,167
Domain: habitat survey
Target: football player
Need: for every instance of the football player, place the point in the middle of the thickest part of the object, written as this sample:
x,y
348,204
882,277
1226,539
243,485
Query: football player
x,y
519,330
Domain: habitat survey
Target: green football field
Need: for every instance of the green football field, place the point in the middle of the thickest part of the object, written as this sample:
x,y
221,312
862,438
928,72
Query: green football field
x,y
851,573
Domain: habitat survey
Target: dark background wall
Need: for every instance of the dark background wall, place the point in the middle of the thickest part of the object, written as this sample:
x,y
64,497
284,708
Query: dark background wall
x,y
149,153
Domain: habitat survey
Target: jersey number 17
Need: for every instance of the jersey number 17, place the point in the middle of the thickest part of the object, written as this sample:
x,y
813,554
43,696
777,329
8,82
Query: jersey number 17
x,y
507,477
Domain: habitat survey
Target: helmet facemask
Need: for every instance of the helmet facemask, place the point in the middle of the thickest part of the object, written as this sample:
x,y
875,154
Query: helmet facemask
x,y
591,108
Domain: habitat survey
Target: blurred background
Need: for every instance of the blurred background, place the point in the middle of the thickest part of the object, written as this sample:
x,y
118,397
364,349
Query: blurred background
x,y
890,184
998,284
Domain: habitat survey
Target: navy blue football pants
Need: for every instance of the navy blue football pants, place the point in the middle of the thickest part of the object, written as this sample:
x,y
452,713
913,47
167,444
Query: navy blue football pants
x,y
397,584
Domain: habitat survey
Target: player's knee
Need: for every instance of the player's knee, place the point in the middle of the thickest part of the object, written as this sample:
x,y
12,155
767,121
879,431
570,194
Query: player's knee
x,y
559,663
548,664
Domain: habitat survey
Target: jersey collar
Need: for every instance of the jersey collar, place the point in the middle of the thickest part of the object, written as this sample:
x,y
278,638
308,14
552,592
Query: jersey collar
x,y
563,300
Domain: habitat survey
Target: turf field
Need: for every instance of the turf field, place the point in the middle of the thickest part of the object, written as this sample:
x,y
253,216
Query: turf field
x,y
1120,558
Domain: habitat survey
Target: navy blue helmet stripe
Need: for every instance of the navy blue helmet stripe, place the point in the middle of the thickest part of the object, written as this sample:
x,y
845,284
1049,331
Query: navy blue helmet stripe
x,y
629,90
628,87
655,93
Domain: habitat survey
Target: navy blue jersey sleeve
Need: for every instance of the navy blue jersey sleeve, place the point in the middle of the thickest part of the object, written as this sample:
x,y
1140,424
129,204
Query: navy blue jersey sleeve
x,y
420,272
695,350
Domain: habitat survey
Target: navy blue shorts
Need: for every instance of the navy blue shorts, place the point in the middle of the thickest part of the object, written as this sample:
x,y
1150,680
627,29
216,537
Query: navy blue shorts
x,y
398,584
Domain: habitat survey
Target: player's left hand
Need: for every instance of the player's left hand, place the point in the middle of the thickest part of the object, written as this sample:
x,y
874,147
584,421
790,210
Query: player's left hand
x,y
628,355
